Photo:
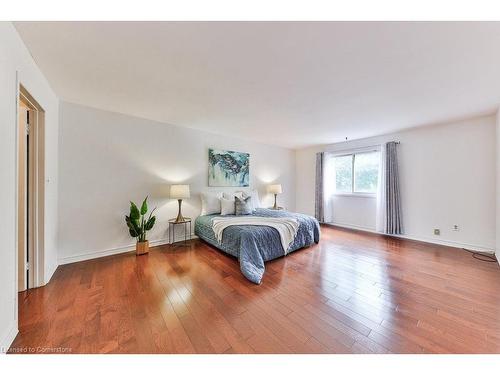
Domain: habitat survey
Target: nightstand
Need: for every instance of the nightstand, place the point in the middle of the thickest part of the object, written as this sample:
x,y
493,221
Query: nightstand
x,y
187,235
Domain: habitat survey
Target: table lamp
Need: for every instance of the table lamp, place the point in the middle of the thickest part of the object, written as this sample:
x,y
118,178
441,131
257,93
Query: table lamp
x,y
275,189
179,192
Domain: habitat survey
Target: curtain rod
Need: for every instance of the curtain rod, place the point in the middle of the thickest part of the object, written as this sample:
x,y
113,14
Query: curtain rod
x,y
378,144
348,151
354,140
396,142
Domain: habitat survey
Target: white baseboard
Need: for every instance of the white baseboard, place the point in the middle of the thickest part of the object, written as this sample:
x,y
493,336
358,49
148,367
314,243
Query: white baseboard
x,y
8,337
354,226
459,245
48,275
449,243
107,252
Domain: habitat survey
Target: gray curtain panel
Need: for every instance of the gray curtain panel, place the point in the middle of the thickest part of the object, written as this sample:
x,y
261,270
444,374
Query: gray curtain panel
x,y
394,217
319,209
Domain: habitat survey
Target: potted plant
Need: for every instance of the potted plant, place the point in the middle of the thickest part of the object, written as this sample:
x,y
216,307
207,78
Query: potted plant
x,y
138,225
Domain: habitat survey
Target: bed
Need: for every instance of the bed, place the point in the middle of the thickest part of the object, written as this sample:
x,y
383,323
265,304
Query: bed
x,y
253,245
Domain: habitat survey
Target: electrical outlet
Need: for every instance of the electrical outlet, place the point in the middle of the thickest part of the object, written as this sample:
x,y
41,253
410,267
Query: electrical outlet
x,y
437,232
455,228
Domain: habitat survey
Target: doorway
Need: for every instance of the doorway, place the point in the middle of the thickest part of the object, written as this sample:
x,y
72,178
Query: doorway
x,y
30,201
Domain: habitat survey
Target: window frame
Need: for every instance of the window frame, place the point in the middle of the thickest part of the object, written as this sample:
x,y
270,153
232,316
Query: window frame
x,y
354,193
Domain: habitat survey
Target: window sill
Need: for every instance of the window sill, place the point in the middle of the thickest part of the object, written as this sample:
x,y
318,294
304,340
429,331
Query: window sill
x,y
355,195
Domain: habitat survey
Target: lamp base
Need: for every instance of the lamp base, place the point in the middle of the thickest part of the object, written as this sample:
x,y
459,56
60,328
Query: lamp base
x,y
179,218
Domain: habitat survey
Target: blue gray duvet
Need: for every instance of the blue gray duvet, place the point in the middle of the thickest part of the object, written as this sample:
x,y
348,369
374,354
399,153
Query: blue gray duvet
x,y
253,245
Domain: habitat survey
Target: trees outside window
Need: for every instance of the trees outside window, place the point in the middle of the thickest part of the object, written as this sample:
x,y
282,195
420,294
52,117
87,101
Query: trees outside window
x,y
357,173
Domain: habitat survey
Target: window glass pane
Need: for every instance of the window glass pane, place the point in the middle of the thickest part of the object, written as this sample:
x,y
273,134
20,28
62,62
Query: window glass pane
x,y
343,174
366,172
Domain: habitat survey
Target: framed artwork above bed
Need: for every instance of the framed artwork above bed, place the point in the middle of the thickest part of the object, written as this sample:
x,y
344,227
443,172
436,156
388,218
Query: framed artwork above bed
x,y
228,168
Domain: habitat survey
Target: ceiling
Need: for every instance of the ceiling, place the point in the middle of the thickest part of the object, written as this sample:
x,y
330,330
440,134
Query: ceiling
x,y
292,84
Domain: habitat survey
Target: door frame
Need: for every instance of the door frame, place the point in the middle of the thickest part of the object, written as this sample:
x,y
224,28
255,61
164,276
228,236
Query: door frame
x,y
36,193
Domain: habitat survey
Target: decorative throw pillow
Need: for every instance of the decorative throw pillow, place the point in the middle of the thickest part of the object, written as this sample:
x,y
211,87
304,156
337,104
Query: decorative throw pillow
x,y
243,206
210,203
227,206
238,194
255,198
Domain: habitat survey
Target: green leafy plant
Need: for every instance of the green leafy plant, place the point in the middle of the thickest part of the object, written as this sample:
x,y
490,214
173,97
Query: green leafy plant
x,y
136,221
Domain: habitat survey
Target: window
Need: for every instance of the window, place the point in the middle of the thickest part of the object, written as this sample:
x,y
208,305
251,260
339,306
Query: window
x,y
357,173
343,174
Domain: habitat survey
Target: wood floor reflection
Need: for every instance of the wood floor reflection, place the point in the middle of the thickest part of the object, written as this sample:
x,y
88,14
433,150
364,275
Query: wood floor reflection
x,y
352,293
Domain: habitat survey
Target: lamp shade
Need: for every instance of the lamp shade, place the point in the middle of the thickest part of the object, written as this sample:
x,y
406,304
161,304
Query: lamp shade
x,y
179,191
275,189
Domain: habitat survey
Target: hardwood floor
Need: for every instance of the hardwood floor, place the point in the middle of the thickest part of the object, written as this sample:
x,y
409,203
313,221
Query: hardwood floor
x,y
352,293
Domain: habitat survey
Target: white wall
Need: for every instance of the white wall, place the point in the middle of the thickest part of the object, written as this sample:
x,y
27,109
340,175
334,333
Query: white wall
x,y
14,57
447,176
107,159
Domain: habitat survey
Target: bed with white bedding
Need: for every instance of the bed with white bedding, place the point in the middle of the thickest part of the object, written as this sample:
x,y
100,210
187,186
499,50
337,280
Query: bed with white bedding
x,y
257,238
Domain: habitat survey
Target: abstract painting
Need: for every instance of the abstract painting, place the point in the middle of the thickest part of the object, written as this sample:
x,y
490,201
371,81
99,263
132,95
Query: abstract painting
x,y
228,168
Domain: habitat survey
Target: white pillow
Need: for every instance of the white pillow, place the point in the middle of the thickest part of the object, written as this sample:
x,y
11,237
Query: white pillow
x,y
238,194
227,206
210,203
255,198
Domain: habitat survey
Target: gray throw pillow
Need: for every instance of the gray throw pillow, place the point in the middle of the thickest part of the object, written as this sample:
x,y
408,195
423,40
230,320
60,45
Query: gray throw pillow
x,y
243,206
